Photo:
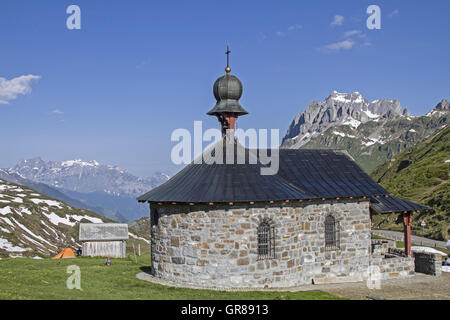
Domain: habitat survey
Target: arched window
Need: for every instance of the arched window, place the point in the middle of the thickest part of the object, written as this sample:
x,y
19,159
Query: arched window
x,y
266,240
331,233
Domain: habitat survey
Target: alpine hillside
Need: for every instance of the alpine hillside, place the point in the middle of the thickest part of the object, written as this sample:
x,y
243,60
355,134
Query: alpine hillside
x,y
34,225
54,193
106,189
421,174
372,132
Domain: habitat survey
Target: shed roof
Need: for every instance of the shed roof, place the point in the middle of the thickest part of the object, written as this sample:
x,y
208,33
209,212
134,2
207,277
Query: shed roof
x,y
392,204
103,231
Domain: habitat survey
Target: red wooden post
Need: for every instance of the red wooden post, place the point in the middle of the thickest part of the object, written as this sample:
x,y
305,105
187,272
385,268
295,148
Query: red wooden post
x,y
407,220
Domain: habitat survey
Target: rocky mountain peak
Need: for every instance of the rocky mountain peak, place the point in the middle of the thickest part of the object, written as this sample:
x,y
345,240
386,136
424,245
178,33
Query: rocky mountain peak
x,y
443,105
339,108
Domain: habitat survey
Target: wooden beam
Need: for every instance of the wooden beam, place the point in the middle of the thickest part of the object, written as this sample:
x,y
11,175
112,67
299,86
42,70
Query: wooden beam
x,y
407,220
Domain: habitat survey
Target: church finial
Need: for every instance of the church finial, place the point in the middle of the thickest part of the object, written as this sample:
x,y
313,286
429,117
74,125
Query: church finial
x,y
228,69
227,90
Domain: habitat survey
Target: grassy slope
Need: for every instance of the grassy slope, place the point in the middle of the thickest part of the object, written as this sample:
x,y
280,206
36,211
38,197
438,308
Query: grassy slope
x,y
46,279
60,236
420,174
141,226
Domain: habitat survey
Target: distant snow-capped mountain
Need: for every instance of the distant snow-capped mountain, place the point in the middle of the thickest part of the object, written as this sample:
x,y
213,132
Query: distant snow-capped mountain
x,y
81,176
350,109
92,183
372,132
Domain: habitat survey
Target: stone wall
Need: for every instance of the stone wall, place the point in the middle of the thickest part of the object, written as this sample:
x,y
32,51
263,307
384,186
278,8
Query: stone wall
x,y
216,246
393,266
428,263
380,246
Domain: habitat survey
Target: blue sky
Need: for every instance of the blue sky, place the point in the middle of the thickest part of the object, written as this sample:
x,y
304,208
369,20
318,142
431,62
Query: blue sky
x,y
116,89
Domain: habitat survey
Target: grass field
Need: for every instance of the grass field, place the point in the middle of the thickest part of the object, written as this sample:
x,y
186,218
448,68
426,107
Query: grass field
x,y
23,278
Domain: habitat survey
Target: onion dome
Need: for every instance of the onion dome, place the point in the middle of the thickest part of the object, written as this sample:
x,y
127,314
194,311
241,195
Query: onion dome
x,y
227,91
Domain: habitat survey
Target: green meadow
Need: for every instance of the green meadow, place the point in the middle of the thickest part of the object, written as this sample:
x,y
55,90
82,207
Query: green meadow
x,y
45,279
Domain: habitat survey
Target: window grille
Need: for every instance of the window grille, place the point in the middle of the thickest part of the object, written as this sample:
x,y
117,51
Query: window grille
x,y
331,233
266,240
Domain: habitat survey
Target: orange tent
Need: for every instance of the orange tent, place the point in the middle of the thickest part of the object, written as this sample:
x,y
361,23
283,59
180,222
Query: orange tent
x,y
65,253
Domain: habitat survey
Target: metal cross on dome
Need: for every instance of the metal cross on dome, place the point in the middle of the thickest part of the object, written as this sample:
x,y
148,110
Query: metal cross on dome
x,y
228,69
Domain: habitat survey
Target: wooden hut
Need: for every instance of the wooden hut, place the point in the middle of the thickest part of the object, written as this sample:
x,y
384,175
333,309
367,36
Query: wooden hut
x,y
104,239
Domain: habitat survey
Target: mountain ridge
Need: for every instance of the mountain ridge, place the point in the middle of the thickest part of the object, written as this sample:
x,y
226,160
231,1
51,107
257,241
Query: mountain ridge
x,y
371,132
107,189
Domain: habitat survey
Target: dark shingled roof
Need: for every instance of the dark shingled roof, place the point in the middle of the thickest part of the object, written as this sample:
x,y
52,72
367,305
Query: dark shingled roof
x,y
326,174
303,174
393,204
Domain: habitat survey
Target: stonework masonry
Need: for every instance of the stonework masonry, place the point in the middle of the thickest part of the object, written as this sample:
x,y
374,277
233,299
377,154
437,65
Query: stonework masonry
x,y
428,263
216,245
393,266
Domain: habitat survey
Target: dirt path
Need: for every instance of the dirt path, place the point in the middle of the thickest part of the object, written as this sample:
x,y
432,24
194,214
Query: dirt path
x,y
419,287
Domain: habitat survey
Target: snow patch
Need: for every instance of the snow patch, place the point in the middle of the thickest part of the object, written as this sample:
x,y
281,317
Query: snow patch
x,y
51,203
352,122
138,238
371,115
32,240
8,222
79,162
8,246
17,199
373,141
25,210
343,134
4,230
434,112
6,210
428,250
31,233
55,219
